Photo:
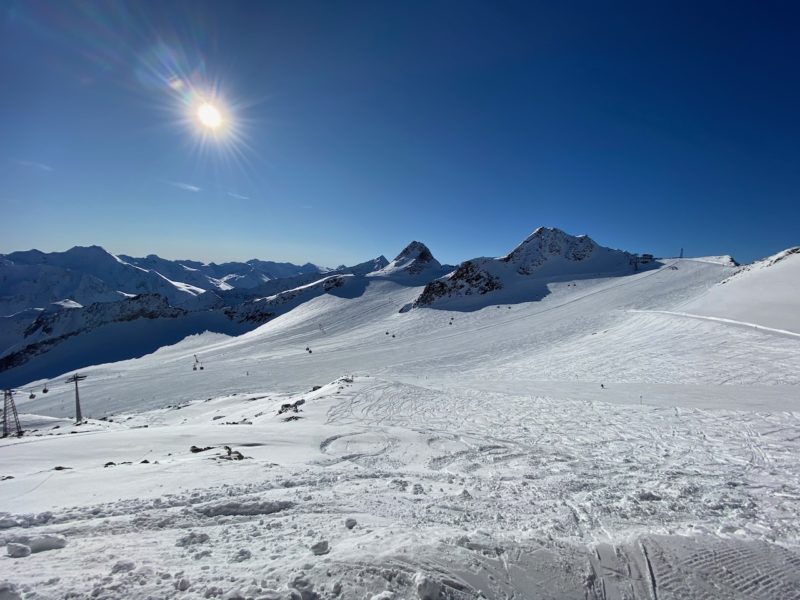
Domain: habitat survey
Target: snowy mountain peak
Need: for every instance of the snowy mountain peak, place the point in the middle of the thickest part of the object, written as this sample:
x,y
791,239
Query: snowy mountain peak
x,y
366,267
546,253
415,250
547,242
79,257
415,260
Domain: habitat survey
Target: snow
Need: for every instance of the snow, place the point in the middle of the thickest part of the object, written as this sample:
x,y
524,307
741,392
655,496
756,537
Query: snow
x,y
92,274
474,452
415,262
758,294
523,275
726,260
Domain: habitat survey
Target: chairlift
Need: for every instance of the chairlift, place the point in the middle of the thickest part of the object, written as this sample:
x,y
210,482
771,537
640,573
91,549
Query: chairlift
x,y
32,396
45,390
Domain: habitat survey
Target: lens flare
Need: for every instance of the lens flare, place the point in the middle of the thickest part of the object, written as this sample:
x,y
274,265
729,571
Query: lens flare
x,y
209,116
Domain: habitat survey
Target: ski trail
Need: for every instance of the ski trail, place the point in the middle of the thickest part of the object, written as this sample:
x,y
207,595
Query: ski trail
x,y
720,320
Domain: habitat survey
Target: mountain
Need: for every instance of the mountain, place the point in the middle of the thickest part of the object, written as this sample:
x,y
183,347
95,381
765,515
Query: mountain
x,y
31,333
182,307
546,255
415,262
603,441
67,333
261,310
368,266
86,275
223,276
50,328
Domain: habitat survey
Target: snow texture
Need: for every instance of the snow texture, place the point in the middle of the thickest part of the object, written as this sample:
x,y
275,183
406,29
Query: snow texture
x,y
624,435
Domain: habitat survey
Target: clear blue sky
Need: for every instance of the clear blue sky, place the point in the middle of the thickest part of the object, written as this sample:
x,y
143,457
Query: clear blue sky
x,y
351,128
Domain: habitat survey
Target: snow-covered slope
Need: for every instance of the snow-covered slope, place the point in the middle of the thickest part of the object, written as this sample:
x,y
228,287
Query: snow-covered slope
x,y
51,328
762,294
427,454
261,310
590,444
548,254
108,286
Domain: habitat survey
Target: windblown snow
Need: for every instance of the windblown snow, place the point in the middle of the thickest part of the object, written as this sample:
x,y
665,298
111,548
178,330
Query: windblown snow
x,y
621,431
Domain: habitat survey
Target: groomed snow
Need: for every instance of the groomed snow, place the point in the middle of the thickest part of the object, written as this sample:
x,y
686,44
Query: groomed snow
x,y
592,444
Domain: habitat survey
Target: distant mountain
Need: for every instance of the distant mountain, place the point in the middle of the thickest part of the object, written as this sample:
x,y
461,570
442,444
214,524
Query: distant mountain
x,y
261,310
223,276
414,262
85,275
366,267
87,300
52,328
547,253
50,298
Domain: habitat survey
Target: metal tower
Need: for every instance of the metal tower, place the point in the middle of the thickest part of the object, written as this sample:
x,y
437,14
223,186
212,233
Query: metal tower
x,y
9,412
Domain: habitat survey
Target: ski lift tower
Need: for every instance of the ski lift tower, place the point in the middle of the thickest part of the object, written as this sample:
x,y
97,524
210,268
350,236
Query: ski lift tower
x,y
75,379
9,412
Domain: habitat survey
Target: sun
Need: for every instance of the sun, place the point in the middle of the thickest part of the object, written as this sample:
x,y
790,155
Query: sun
x,y
209,116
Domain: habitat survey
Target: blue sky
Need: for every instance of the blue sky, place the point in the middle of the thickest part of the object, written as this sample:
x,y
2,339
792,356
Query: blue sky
x,y
352,128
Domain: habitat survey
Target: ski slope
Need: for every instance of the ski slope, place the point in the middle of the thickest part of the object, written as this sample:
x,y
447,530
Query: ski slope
x,y
596,443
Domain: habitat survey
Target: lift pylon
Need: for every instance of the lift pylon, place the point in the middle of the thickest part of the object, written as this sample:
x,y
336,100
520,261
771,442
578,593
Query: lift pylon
x,y
10,416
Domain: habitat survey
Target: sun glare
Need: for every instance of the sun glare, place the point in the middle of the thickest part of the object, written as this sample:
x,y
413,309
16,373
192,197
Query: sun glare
x,y
209,116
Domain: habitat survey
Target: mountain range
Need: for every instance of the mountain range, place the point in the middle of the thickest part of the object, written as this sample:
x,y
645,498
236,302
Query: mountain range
x,y
65,310
565,420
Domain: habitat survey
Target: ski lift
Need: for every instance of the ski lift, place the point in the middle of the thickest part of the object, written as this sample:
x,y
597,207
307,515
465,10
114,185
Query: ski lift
x,y
32,396
197,364
45,390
